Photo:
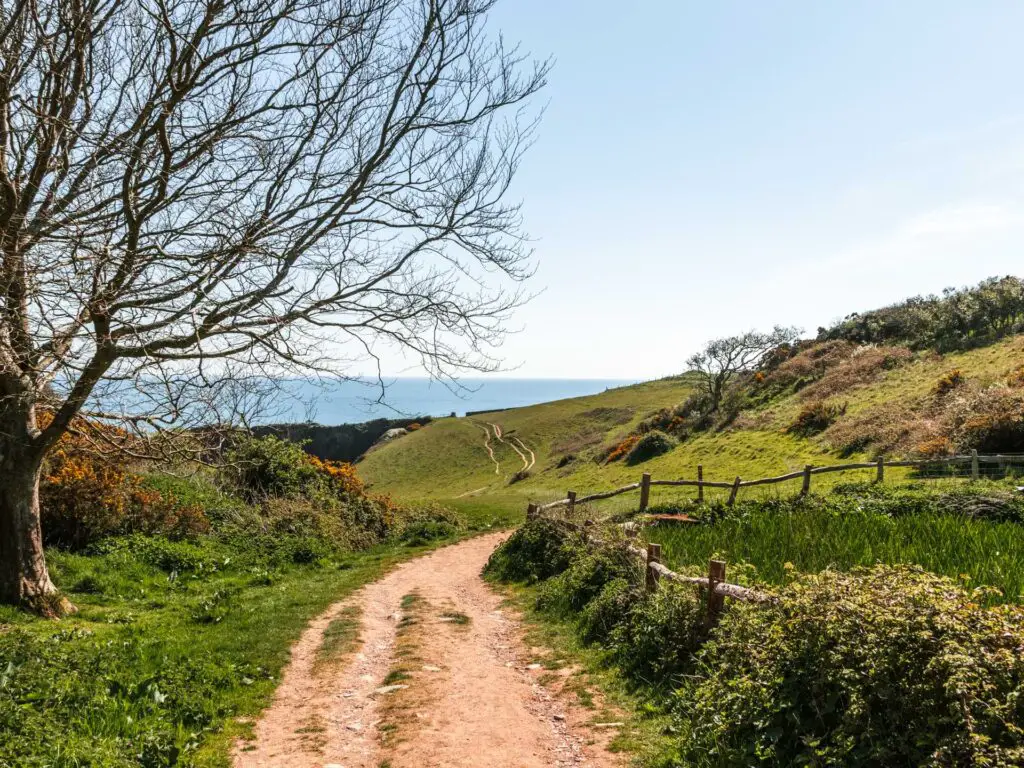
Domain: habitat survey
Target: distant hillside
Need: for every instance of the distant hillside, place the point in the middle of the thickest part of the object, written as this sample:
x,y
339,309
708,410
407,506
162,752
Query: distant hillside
x,y
820,401
344,442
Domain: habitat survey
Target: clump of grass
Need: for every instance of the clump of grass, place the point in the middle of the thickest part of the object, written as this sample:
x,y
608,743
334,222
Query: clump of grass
x,y
340,637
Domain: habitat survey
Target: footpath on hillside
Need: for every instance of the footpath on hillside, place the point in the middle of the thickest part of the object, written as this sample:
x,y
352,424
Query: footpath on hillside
x,y
440,676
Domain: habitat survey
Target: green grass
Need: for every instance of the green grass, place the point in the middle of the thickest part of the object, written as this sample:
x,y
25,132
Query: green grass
x,y
773,542
446,460
163,659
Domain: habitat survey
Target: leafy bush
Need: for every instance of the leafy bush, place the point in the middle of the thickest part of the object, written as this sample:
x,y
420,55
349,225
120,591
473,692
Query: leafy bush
x,y
263,467
649,445
85,497
959,319
538,550
816,417
884,666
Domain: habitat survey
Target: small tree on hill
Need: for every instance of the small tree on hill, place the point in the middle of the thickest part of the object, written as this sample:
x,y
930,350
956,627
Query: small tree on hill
x,y
195,187
722,360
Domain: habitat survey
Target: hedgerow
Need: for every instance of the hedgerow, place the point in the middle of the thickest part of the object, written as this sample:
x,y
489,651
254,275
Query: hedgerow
x,y
881,666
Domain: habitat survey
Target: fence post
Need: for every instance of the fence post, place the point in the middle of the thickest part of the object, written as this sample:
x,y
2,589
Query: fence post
x,y
880,473
531,511
645,490
807,480
716,575
735,490
571,495
700,483
974,464
653,556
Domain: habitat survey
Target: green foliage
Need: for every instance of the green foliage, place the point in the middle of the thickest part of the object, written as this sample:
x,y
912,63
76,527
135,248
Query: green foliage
x,y
970,533
959,319
538,550
650,444
271,467
879,667
876,667
572,589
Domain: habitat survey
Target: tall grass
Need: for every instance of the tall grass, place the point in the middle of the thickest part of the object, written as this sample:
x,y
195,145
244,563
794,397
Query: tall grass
x,y
812,539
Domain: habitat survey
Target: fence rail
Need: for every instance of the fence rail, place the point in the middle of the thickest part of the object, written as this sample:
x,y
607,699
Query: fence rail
x,y
715,587
974,459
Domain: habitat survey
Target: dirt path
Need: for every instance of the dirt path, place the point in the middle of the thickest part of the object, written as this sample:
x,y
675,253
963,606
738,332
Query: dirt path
x,y
488,448
442,678
511,443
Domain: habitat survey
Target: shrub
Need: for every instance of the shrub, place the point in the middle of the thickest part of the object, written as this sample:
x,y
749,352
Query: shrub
x,y
990,419
572,589
936,447
949,381
884,666
650,445
519,476
538,550
260,467
816,417
622,449
85,497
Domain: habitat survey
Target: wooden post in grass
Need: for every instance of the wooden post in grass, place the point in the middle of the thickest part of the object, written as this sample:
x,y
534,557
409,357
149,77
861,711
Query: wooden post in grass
x,y
645,490
716,575
700,483
807,480
880,472
974,464
653,556
531,512
571,506
735,490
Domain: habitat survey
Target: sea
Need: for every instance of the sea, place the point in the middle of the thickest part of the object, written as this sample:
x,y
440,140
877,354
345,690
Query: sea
x,y
354,401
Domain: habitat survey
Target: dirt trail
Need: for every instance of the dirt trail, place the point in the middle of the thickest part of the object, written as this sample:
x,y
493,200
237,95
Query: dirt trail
x,y
511,443
488,448
467,695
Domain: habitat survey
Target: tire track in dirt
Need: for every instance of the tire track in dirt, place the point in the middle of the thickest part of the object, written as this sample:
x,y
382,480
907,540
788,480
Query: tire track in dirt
x,y
525,447
488,448
471,699
512,445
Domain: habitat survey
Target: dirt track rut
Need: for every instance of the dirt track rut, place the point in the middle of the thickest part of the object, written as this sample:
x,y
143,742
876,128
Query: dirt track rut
x,y
471,698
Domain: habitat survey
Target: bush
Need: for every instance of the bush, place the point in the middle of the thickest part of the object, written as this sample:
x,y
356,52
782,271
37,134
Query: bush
x,y
538,550
650,445
949,381
884,666
616,452
262,467
85,497
816,417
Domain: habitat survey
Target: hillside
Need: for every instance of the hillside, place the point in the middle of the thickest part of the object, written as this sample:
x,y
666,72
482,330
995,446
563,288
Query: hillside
x,y
878,392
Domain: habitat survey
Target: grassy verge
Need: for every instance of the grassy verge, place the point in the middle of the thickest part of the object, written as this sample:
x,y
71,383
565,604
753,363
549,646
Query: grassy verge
x,y
175,646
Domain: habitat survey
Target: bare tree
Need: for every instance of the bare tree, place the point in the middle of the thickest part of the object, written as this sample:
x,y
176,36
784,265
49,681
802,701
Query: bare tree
x,y
722,359
190,183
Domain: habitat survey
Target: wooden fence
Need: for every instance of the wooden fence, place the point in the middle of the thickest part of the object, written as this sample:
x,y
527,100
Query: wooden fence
x,y
715,587
646,482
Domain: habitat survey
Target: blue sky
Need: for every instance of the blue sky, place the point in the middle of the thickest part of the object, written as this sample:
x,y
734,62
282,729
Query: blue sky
x,y
707,167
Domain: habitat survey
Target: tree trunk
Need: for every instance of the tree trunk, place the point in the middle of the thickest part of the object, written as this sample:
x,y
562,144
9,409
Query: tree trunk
x,y
24,578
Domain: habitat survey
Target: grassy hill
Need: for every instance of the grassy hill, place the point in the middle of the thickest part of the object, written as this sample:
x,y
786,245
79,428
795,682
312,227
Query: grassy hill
x,y
448,460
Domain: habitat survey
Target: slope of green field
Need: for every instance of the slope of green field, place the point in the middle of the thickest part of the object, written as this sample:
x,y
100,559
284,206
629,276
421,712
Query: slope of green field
x,y
447,460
